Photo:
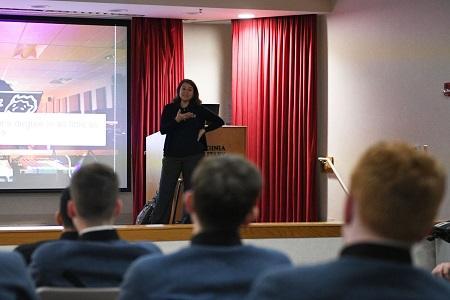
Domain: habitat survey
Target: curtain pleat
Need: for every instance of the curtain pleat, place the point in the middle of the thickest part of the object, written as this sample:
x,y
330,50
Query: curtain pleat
x,y
156,69
274,95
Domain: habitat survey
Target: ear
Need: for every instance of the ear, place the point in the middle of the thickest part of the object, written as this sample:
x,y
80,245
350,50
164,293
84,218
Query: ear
x,y
252,215
188,202
349,210
71,209
118,207
58,218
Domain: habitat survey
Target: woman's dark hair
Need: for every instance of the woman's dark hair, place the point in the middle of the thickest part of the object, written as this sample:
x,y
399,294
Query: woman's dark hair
x,y
195,99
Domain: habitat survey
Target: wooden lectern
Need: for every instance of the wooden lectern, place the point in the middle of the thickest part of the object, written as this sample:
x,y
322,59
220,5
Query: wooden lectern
x,y
227,139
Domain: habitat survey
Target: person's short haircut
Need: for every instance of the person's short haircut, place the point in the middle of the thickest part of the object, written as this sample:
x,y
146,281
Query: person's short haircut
x,y
94,188
63,199
398,190
225,189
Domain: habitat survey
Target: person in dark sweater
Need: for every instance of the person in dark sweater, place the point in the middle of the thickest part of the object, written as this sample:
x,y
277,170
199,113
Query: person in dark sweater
x,y
184,123
216,265
395,193
62,218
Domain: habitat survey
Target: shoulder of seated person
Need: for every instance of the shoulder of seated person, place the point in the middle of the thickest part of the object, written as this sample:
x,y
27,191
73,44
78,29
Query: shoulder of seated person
x,y
156,259
266,251
12,264
10,257
147,245
122,244
51,245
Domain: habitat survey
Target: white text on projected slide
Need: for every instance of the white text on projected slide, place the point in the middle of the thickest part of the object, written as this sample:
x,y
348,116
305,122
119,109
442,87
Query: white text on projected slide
x,y
55,129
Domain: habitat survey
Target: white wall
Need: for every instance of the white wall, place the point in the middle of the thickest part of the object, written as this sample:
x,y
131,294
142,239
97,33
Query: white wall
x,y
207,61
303,251
39,208
300,250
387,62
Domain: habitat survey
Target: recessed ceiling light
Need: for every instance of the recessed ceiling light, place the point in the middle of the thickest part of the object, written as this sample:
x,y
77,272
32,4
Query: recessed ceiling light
x,y
196,12
39,6
246,16
60,80
118,10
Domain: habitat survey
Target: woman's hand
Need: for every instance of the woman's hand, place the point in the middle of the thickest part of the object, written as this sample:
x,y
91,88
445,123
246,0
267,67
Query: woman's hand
x,y
200,133
180,117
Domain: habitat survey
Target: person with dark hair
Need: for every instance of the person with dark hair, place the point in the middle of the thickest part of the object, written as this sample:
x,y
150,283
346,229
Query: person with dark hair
x,y
395,193
216,265
15,282
62,218
183,122
98,258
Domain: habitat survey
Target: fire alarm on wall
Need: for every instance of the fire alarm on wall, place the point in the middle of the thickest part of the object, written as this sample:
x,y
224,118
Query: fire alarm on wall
x,y
446,89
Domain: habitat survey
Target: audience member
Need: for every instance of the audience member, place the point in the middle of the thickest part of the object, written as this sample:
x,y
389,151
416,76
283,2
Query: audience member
x,y
69,232
15,282
394,196
216,265
98,258
442,270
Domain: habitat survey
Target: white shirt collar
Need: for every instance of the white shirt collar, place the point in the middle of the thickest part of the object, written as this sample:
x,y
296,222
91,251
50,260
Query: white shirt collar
x,y
96,228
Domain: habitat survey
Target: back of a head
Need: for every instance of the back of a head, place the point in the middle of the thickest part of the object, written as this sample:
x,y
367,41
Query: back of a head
x,y
398,190
225,189
94,188
63,199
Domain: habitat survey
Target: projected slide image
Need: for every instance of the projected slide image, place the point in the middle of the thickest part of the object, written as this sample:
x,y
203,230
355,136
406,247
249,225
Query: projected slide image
x,y
63,101
11,101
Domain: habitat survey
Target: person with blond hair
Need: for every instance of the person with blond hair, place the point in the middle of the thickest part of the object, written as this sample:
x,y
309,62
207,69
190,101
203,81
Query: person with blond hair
x,y
394,196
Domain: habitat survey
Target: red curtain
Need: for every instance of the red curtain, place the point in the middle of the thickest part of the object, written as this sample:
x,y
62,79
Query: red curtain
x,y
156,68
274,94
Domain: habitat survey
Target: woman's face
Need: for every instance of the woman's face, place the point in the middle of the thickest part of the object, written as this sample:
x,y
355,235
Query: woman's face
x,y
186,92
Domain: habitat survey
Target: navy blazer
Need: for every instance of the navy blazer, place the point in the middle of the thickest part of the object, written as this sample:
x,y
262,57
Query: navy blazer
x,y
15,282
26,250
199,272
351,278
97,259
